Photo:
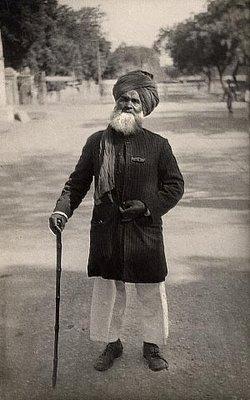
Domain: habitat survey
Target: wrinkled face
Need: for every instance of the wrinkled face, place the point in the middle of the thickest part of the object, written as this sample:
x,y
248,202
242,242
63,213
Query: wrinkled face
x,y
127,115
129,102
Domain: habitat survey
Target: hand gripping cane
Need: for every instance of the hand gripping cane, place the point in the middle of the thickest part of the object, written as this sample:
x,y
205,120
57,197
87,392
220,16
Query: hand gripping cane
x,y
58,281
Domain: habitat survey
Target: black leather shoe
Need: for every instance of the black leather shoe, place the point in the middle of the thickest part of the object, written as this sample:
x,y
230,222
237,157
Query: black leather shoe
x,y
105,360
155,361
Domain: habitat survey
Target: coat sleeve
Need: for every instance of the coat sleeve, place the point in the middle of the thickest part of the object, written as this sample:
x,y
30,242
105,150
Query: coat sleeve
x,y
78,184
170,183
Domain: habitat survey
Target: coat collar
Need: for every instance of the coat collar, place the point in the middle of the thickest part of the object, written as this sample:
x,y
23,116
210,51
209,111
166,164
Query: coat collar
x,y
126,138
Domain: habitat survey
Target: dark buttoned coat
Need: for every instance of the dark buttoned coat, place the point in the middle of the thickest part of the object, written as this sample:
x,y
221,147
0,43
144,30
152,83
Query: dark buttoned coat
x,y
146,170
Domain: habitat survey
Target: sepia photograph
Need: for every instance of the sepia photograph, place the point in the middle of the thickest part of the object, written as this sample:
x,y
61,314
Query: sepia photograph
x,y
124,169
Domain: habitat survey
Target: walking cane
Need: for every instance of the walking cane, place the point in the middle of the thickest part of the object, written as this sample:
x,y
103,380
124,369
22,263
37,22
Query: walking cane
x,y
58,281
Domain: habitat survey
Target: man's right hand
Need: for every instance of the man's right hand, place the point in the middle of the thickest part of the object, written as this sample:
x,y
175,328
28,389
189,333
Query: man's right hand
x,y
57,222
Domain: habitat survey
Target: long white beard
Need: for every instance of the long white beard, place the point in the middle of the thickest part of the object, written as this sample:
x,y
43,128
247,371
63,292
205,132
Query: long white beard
x,y
124,122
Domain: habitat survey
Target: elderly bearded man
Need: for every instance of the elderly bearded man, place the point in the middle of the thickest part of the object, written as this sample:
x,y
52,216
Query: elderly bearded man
x,y
137,180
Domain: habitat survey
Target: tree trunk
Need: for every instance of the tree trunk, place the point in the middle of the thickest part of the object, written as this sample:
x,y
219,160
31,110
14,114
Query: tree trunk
x,y
209,77
221,80
220,76
209,81
248,92
235,71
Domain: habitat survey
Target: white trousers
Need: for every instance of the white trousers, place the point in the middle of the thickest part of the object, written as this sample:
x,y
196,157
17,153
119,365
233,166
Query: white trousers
x,y
108,309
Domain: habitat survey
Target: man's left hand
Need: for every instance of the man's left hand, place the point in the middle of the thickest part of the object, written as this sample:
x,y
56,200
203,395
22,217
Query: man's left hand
x,y
133,209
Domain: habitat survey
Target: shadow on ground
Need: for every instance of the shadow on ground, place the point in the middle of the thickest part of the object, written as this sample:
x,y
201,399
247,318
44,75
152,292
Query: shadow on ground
x,y
216,181
202,122
36,183
206,348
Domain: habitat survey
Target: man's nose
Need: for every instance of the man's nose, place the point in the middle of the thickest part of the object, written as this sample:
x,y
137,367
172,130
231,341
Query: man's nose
x,y
129,105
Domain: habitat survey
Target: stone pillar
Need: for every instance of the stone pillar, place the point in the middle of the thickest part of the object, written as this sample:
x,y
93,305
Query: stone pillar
x,y
2,79
11,86
6,113
42,88
25,86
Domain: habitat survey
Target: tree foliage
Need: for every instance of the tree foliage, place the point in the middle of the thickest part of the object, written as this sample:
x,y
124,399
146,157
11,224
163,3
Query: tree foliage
x,y
25,24
216,38
45,36
234,16
126,58
91,40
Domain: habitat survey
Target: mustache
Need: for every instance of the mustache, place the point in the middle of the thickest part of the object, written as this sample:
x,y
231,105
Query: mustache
x,y
118,112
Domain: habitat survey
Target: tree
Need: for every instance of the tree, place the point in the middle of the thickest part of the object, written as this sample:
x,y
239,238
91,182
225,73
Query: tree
x,y
23,24
206,41
234,15
56,39
126,58
92,41
186,46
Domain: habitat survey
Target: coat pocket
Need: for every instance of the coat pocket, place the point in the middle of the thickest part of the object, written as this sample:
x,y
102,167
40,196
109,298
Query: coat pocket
x,y
148,233
102,239
103,214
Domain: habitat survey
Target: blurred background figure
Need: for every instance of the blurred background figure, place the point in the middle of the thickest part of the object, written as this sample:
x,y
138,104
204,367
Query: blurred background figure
x,y
230,94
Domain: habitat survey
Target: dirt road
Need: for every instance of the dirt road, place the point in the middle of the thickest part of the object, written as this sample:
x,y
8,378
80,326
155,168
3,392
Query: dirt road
x,y
206,239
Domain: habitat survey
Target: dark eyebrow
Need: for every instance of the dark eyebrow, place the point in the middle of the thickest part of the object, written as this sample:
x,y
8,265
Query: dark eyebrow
x,y
124,97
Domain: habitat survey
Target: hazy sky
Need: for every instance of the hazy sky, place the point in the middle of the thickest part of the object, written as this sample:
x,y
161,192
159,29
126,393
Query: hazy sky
x,y
137,22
